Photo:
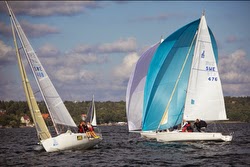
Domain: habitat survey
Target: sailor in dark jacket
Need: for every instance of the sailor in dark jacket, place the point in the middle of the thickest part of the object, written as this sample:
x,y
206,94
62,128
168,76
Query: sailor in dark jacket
x,y
200,125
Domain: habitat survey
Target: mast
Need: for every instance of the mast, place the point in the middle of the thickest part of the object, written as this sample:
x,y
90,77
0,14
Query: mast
x,y
161,40
41,128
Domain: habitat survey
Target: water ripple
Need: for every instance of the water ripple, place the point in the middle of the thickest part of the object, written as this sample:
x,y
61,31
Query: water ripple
x,y
120,148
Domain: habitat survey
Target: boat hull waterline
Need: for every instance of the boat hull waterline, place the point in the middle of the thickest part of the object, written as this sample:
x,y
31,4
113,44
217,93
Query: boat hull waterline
x,y
69,141
186,136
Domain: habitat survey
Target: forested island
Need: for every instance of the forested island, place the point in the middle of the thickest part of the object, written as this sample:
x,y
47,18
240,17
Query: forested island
x,y
238,109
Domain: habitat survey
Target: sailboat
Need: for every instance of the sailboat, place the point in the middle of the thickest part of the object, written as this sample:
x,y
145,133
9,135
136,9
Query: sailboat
x,y
183,83
66,137
91,115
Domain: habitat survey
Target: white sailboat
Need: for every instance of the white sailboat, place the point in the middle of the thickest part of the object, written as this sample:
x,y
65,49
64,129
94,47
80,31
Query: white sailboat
x,y
183,83
65,127
204,97
91,115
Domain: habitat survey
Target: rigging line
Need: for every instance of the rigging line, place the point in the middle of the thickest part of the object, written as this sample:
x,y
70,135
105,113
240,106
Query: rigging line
x,y
181,113
176,83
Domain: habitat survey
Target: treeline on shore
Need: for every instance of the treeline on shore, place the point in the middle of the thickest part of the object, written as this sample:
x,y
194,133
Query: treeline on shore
x,y
238,109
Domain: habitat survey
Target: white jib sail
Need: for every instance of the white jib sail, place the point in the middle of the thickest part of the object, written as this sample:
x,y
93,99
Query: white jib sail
x,y
204,95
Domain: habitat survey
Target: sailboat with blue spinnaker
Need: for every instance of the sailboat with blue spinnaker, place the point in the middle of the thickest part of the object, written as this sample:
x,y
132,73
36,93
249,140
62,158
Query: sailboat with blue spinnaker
x,y
182,83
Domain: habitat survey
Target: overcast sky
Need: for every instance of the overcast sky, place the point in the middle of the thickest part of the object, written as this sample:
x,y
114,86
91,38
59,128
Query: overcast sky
x,y
90,47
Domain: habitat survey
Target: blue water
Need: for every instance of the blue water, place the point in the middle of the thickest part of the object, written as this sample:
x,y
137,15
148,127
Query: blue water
x,y
120,148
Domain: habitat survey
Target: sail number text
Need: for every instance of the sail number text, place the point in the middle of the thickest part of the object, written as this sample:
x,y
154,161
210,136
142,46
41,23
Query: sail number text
x,y
211,69
39,71
212,78
208,68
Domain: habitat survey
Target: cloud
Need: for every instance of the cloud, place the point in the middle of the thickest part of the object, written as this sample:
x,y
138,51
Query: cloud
x,y
31,30
78,73
5,29
123,71
74,72
48,50
234,73
159,17
7,54
69,68
84,59
70,75
122,45
232,39
49,8
38,30
118,79
119,46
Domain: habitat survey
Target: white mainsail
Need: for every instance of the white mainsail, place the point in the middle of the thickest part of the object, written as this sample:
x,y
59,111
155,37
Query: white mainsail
x,y
204,94
55,105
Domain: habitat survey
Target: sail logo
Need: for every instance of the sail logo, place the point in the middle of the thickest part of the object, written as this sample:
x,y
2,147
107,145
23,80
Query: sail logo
x,y
55,143
203,54
192,101
79,137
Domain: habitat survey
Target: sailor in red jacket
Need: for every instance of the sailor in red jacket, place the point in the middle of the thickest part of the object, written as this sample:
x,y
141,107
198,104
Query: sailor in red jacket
x,y
187,127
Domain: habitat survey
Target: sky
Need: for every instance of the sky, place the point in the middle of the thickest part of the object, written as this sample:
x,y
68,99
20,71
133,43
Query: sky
x,y
90,47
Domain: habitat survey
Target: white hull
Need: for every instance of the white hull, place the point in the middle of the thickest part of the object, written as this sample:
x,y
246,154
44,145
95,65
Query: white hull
x,y
69,141
148,134
186,136
191,136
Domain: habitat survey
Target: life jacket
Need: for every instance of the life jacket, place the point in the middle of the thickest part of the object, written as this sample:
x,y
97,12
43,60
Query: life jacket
x,y
188,128
80,129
